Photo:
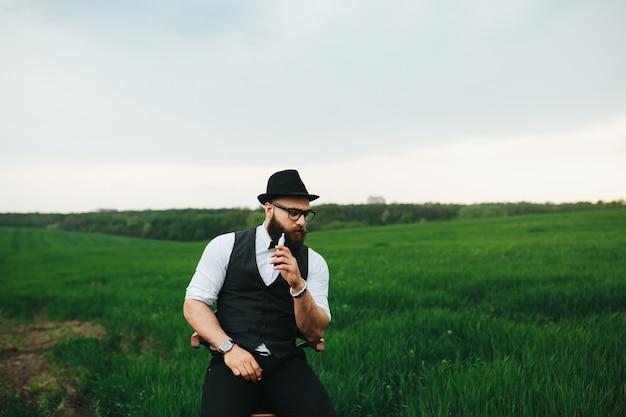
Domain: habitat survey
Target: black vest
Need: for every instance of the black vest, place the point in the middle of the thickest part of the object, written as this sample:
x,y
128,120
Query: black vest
x,y
251,312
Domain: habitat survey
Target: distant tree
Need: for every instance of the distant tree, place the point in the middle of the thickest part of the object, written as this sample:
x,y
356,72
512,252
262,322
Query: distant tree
x,y
205,224
477,211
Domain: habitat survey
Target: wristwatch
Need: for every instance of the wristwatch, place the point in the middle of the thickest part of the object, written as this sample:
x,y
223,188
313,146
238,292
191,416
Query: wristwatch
x,y
226,345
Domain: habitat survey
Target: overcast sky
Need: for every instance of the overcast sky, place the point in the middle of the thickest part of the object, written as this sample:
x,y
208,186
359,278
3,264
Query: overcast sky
x,y
171,104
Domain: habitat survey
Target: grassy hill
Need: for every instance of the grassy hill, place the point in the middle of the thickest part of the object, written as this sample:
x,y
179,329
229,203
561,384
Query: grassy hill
x,y
517,316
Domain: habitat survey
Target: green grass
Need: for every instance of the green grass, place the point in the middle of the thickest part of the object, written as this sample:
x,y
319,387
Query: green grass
x,y
517,316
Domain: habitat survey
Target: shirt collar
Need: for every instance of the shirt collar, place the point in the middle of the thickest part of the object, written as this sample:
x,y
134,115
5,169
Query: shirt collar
x,y
263,238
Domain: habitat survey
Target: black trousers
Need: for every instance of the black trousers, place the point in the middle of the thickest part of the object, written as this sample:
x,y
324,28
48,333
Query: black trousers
x,y
288,388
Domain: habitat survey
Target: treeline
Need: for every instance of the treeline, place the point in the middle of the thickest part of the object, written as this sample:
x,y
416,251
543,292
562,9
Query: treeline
x,y
205,224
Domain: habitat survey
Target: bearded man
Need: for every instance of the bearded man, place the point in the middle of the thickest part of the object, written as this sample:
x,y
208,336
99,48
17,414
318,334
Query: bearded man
x,y
269,291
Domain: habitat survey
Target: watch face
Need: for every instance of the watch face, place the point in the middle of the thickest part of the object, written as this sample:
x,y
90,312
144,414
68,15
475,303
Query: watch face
x,y
226,345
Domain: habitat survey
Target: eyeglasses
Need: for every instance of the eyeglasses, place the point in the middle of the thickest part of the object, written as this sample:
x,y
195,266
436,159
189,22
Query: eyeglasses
x,y
294,214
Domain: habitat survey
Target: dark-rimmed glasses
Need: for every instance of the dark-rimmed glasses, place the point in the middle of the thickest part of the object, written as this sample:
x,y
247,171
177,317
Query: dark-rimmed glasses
x,y
294,214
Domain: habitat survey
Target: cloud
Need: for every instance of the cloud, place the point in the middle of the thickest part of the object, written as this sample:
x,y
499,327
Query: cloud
x,y
167,85
568,166
580,165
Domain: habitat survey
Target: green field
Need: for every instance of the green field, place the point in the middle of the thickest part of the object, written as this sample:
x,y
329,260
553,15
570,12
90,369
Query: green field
x,y
514,316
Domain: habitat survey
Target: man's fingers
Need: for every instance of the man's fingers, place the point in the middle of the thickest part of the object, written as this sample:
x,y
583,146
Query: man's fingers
x,y
248,373
244,365
251,372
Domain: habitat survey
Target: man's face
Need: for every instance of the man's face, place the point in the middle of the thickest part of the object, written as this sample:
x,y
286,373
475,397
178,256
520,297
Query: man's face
x,y
279,221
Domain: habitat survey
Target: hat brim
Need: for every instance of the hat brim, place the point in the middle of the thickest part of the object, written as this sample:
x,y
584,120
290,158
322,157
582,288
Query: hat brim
x,y
264,198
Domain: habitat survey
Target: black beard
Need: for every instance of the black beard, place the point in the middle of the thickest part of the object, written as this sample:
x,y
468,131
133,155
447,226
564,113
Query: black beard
x,y
275,230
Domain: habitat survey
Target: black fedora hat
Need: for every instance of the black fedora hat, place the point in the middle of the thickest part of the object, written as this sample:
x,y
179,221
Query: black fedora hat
x,y
285,183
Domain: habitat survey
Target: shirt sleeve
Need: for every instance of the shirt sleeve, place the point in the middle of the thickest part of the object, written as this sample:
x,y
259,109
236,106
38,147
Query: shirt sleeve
x,y
317,280
210,273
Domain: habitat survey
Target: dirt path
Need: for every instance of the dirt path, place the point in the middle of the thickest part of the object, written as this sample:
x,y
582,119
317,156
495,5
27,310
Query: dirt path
x,y
23,365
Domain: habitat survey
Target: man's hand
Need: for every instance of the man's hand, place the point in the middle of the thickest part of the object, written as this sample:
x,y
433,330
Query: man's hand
x,y
310,318
242,363
286,263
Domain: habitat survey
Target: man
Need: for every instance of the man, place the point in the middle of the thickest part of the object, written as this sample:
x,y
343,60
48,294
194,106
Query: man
x,y
267,295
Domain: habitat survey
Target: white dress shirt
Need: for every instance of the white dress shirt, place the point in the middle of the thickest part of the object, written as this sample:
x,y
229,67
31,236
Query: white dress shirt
x,y
208,279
